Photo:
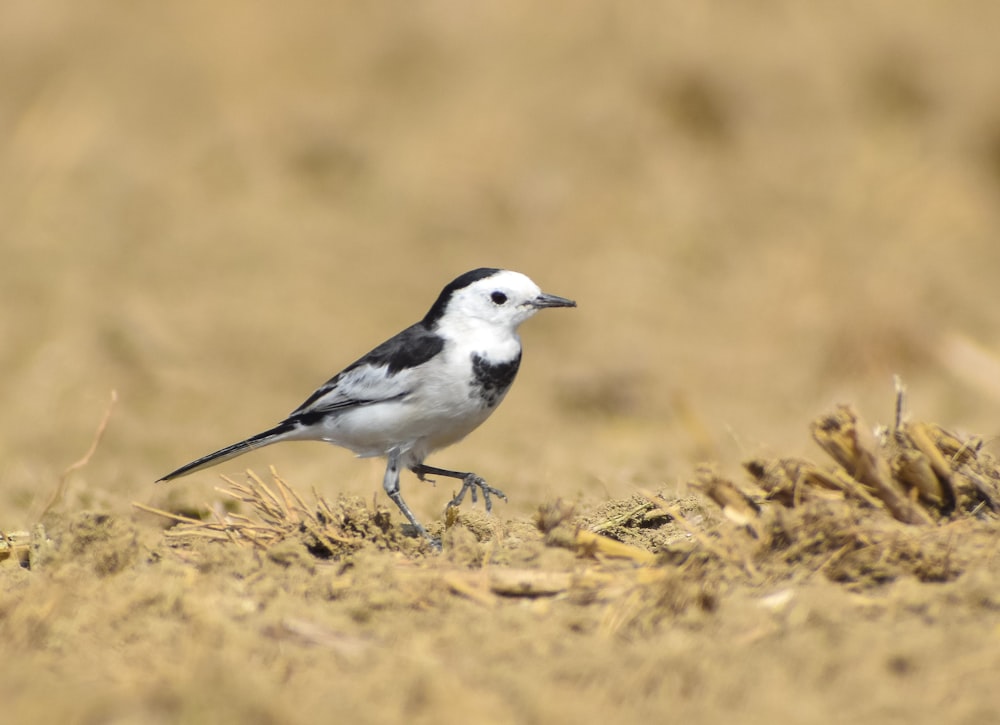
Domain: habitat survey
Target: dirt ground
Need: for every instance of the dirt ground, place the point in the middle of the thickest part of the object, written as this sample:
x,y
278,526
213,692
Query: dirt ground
x,y
763,210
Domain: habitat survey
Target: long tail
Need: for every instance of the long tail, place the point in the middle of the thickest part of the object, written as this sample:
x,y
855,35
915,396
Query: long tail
x,y
278,433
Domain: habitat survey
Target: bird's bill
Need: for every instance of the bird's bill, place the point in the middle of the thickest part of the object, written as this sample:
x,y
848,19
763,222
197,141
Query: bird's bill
x,y
546,300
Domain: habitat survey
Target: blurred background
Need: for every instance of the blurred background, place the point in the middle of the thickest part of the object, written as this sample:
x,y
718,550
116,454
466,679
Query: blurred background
x,y
762,208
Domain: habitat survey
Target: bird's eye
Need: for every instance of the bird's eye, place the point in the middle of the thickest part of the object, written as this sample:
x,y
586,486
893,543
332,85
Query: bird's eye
x,y
498,298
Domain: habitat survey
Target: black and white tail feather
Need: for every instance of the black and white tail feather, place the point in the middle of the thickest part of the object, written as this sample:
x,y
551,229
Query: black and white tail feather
x,y
423,389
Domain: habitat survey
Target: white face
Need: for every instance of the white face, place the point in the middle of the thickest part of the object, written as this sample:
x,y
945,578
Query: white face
x,y
505,299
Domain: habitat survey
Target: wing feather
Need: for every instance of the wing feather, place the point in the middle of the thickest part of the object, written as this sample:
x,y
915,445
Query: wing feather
x,y
384,374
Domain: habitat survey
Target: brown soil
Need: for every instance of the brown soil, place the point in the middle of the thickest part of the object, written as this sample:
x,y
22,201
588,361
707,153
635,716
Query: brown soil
x,y
764,210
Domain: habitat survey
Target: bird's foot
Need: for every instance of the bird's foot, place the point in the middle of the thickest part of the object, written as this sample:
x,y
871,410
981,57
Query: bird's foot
x,y
470,483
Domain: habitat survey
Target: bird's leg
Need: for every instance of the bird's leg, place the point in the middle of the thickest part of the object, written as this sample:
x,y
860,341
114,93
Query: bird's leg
x,y
391,485
470,482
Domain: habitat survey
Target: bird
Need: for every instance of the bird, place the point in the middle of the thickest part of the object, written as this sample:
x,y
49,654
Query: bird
x,y
421,390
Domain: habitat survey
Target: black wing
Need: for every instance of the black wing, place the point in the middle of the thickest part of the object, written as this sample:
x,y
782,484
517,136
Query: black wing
x,y
383,374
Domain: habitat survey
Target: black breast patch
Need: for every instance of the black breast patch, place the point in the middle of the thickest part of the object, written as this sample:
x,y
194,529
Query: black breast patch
x,y
491,380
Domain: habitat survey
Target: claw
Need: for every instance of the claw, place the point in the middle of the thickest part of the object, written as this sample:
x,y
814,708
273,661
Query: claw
x,y
472,482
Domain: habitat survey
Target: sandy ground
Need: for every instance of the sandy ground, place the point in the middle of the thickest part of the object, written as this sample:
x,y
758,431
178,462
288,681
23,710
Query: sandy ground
x,y
762,209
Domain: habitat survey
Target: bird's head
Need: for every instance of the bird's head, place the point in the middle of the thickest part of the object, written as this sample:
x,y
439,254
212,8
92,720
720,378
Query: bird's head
x,y
494,297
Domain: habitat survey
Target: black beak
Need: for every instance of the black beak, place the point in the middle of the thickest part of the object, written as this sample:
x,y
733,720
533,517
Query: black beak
x,y
544,300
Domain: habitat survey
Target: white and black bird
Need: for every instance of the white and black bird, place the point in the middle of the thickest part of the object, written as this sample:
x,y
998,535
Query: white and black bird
x,y
421,390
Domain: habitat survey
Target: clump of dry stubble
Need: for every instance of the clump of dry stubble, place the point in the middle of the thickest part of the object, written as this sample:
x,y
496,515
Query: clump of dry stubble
x,y
278,514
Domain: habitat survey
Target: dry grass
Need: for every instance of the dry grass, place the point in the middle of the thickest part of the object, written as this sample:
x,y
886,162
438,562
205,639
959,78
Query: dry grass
x,y
342,579
278,514
838,520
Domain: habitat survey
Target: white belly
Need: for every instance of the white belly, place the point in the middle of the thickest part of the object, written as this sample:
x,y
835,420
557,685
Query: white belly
x,y
439,411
